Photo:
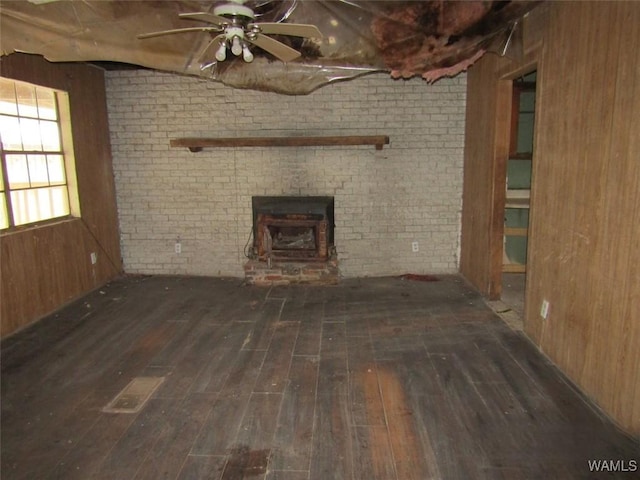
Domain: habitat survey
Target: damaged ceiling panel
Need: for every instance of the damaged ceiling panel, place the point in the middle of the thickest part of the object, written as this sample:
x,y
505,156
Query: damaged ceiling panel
x,y
431,39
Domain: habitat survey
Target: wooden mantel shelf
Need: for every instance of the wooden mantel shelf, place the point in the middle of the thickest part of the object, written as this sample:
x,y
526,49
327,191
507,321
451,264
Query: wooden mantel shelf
x,y
197,144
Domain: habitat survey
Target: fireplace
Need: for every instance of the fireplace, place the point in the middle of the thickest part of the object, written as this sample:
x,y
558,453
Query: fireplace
x,y
293,229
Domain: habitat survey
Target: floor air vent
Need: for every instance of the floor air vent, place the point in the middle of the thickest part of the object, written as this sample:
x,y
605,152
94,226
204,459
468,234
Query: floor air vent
x,y
134,396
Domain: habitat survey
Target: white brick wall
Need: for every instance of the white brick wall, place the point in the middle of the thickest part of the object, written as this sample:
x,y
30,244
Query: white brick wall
x,y
384,200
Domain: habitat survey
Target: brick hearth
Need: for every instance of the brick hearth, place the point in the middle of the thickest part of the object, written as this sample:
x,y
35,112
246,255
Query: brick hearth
x,y
286,273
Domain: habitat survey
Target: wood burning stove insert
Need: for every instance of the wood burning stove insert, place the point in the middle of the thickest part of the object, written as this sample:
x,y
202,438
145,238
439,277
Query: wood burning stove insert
x,y
293,228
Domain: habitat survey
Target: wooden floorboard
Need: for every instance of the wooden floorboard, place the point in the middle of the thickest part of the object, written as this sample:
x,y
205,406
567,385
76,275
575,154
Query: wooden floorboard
x,y
379,378
175,438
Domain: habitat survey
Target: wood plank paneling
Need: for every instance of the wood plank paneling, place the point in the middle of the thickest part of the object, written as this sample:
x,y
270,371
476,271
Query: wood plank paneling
x,y
584,225
621,231
45,267
477,196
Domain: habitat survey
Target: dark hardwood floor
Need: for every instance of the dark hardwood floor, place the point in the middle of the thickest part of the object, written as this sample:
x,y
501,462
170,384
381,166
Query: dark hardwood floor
x,y
370,379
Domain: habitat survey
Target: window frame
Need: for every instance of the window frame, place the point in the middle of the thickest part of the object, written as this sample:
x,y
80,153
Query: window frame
x,y
63,121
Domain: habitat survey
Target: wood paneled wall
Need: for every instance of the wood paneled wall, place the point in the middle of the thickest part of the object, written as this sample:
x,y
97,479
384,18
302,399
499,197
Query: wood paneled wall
x,y
584,255
484,180
44,267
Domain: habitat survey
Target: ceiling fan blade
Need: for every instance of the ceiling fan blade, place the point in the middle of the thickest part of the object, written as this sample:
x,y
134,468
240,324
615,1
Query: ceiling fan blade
x,y
293,29
178,30
275,48
206,17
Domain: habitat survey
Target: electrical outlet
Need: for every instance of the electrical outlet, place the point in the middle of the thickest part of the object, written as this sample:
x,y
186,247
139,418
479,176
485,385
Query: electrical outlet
x,y
544,309
178,247
415,247
94,258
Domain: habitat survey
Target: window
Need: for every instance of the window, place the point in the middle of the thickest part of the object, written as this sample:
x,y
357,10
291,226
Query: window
x,y
37,179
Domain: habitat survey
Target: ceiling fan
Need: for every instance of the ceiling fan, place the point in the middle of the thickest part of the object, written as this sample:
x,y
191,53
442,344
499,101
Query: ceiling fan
x,y
236,30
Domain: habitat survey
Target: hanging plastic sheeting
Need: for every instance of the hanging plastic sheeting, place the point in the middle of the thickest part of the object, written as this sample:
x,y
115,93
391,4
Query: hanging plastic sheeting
x,y
431,39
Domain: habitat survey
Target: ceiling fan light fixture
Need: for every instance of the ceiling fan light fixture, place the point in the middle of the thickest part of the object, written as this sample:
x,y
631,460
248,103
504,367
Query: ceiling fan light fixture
x,y
221,53
236,46
246,54
235,29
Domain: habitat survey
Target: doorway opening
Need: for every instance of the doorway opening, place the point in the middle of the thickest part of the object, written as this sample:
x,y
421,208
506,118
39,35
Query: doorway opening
x,y
518,192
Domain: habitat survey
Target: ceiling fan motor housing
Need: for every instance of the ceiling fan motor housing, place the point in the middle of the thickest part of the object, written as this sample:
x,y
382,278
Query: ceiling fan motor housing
x,y
234,10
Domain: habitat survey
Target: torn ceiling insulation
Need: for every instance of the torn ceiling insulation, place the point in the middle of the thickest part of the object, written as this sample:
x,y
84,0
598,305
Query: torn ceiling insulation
x,y
432,39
